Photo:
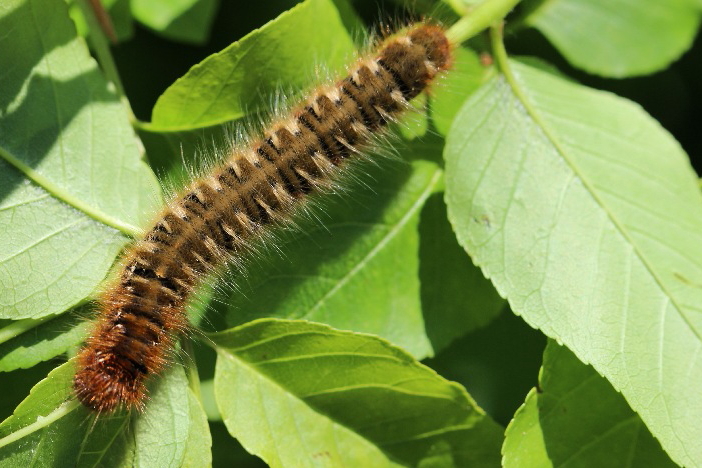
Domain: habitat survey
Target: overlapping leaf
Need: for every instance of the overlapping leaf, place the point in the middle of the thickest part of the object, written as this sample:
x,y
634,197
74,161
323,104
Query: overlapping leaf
x,y
576,418
296,392
50,429
67,153
24,343
588,217
223,86
617,38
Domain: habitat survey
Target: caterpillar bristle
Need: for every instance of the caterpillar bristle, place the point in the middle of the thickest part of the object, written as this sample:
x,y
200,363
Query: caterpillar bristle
x,y
260,184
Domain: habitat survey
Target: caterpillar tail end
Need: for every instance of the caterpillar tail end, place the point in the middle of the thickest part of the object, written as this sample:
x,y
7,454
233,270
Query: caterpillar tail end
x,y
103,384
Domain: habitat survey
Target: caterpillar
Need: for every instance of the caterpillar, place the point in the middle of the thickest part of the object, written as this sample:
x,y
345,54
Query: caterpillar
x,y
143,313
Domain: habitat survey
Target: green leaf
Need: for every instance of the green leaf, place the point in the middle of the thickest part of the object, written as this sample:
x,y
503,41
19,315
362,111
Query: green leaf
x,y
456,297
587,217
25,343
382,262
50,428
617,38
222,87
161,435
355,270
67,152
295,392
452,90
182,20
576,419
198,451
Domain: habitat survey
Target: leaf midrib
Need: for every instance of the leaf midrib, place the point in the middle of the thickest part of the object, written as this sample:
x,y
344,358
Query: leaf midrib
x,y
64,196
514,84
44,182
239,361
393,232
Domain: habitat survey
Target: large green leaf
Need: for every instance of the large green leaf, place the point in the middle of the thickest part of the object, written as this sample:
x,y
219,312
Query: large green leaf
x,y
295,392
71,175
223,86
184,20
587,217
617,38
49,428
576,419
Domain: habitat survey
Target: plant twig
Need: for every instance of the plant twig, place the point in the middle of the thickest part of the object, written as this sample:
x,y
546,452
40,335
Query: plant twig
x,y
482,17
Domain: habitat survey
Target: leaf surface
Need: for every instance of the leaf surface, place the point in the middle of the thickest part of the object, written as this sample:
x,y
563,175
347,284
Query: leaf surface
x,y
198,451
222,87
183,20
617,38
298,393
50,428
587,217
576,419
357,269
67,155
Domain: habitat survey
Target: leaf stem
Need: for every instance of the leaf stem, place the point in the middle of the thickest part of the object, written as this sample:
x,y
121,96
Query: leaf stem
x,y
68,198
500,54
100,45
41,422
483,16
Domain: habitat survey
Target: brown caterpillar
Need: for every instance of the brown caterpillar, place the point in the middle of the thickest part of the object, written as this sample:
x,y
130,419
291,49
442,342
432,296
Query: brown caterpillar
x,y
143,313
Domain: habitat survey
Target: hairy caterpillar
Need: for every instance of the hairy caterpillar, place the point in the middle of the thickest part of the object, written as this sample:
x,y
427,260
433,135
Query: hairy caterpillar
x,y
143,313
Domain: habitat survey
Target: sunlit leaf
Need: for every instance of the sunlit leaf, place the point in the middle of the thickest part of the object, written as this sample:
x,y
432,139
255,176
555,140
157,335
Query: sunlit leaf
x,y
294,392
587,217
617,38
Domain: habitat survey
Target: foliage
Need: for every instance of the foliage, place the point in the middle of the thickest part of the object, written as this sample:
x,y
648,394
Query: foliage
x,y
581,209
